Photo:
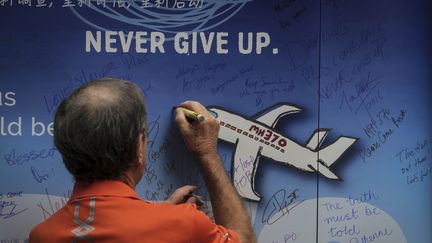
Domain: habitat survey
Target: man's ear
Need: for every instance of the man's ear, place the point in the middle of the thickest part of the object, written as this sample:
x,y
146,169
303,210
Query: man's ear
x,y
141,149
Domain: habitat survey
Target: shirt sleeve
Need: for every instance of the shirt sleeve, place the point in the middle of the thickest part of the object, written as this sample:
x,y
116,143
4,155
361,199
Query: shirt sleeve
x,y
207,231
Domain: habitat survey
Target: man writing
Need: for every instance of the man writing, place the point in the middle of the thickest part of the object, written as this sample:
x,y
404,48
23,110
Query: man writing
x,y
100,131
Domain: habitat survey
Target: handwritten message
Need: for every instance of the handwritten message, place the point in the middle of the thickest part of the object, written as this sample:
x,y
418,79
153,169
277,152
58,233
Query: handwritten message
x,y
416,161
157,188
289,12
21,212
353,220
218,78
343,220
123,67
350,76
380,130
8,205
264,90
169,164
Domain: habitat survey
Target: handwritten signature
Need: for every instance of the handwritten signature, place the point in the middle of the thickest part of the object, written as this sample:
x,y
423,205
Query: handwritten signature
x,y
7,209
279,205
155,152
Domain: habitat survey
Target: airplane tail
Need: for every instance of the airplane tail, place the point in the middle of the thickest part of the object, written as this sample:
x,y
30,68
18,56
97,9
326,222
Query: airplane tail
x,y
329,154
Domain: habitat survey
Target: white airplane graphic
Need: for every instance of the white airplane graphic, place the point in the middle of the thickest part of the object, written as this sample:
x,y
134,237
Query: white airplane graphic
x,y
255,137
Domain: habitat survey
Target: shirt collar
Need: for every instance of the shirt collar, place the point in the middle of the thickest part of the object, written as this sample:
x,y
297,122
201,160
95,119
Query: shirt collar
x,y
102,188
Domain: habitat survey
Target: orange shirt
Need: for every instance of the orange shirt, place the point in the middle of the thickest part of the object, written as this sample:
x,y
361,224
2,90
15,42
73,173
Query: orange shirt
x,y
110,211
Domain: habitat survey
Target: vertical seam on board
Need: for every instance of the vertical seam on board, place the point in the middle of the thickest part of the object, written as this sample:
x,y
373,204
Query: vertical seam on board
x,y
319,121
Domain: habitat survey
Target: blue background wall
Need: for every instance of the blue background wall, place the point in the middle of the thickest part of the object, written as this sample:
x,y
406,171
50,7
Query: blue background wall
x,y
373,84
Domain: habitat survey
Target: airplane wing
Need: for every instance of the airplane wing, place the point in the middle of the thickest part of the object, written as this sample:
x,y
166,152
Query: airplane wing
x,y
246,158
323,170
271,115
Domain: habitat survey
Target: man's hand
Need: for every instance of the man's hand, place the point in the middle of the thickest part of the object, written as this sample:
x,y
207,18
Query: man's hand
x,y
200,137
185,195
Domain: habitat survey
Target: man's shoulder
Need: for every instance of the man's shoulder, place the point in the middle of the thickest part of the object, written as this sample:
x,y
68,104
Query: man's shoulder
x,y
37,231
40,232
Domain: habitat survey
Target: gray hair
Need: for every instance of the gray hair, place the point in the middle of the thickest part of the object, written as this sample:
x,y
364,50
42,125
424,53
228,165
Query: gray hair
x,y
96,128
